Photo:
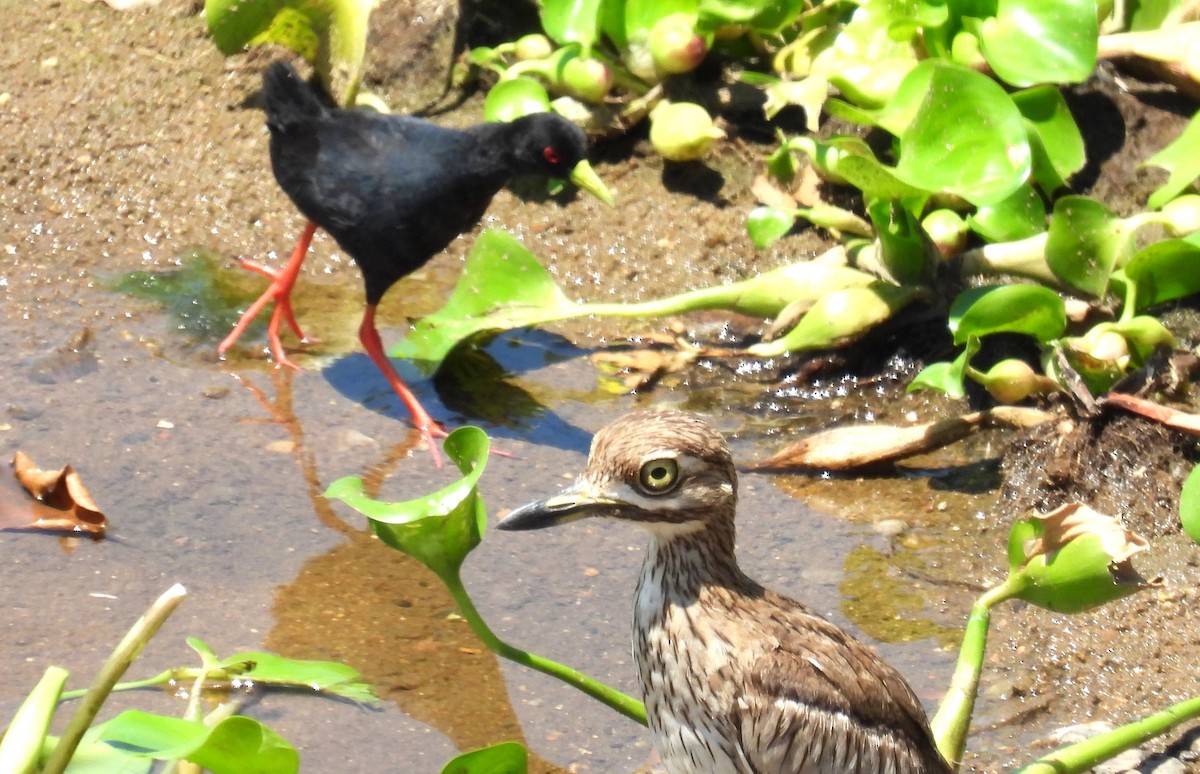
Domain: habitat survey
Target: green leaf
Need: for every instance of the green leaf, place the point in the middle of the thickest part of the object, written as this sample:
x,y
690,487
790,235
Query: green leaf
x,y
767,224
22,741
1189,505
1020,216
901,247
764,16
1029,309
93,756
236,745
572,21
440,529
1038,41
641,15
332,35
1084,243
948,378
948,148
499,272
1164,271
1054,136
324,676
510,99
839,317
1182,160
503,758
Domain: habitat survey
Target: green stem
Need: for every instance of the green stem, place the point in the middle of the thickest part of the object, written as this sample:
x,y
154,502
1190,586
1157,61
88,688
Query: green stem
x,y
621,702
128,650
1084,755
953,718
132,685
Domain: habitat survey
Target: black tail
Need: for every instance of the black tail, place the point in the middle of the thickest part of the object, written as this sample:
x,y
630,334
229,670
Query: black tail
x,y
290,102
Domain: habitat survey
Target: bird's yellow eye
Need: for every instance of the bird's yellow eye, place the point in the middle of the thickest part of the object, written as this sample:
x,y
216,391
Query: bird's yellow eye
x,y
658,476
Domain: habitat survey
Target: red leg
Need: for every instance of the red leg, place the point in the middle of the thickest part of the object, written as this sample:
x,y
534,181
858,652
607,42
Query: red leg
x,y
279,291
369,334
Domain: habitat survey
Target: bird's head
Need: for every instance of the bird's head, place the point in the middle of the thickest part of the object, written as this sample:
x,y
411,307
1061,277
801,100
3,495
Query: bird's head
x,y
549,145
666,470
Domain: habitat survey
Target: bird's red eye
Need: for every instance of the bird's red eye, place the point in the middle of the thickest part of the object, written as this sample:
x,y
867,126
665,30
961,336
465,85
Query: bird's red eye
x,y
551,156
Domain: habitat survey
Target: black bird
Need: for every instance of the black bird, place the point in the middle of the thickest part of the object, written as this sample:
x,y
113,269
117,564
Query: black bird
x,y
393,191
737,679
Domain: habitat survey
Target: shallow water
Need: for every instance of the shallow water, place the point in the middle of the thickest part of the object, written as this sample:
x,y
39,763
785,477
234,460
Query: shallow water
x,y
130,142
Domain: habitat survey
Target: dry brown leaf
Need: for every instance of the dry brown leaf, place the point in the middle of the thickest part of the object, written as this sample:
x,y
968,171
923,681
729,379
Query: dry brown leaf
x,y
808,191
766,192
860,446
1074,520
61,502
642,367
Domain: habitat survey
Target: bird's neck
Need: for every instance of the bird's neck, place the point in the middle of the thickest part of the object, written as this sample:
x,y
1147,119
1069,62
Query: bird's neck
x,y
493,156
685,559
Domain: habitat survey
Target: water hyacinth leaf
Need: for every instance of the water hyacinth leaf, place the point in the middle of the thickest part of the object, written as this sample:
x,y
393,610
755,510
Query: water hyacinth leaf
x,y
1164,271
947,378
765,16
875,180
331,35
503,758
324,676
502,279
1033,310
1063,34
1055,138
839,317
236,745
1084,242
902,248
767,224
510,99
1189,505
948,148
93,756
870,56
438,530
22,741
1181,159
1019,216
572,21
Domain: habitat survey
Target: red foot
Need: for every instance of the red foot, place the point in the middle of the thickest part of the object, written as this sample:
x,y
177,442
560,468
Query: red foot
x,y
279,291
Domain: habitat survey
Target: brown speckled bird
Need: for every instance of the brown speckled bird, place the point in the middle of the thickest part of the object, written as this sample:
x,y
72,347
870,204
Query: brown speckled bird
x,y
736,678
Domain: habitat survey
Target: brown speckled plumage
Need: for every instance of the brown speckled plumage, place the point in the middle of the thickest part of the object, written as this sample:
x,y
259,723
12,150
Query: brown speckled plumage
x,y
736,678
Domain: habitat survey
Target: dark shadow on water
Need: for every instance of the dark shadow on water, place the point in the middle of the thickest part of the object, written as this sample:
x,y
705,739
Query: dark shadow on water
x,y
471,387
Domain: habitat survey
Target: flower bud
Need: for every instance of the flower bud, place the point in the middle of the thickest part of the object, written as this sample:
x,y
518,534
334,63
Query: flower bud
x,y
1074,559
948,231
534,46
1182,215
1011,381
674,45
587,79
682,131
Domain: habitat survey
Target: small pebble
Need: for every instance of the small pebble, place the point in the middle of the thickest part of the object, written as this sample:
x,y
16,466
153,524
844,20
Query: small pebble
x,y
216,392
889,527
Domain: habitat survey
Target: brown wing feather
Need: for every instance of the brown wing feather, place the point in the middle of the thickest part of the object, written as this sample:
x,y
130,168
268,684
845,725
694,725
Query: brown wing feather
x,y
821,701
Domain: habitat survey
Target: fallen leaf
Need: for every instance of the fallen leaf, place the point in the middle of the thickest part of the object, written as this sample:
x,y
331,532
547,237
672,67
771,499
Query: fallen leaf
x,y
766,192
860,446
61,503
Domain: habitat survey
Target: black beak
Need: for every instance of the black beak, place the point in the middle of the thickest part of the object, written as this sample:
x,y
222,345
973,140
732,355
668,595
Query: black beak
x,y
573,504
